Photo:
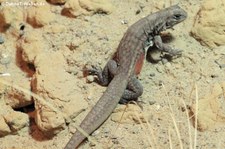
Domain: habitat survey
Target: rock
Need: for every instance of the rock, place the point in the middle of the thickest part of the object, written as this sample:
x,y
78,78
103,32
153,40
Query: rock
x,y
31,45
90,79
55,29
47,117
209,25
75,8
16,30
4,128
16,68
219,51
130,114
154,55
61,97
58,1
10,15
210,110
37,16
219,56
40,15
16,98
16,120
10,120
5,57
1,40
221,61
10,58
96,6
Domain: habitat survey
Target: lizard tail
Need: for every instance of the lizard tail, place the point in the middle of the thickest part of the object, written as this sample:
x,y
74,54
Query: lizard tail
x,y
101,111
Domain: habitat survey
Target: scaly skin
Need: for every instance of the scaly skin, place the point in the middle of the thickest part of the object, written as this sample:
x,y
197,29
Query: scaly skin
x,y
120,72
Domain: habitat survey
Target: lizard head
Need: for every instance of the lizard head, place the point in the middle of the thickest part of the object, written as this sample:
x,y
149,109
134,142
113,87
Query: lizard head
x,y
175,15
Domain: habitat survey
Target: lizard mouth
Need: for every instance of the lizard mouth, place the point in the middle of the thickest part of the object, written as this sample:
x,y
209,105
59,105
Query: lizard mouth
x,y
170,25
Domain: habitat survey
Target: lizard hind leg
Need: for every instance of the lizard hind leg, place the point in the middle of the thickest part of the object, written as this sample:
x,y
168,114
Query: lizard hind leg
x,y
133,91
104,76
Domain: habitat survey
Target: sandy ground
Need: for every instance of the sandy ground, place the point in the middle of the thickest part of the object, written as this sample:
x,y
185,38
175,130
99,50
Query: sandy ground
x,y
94,39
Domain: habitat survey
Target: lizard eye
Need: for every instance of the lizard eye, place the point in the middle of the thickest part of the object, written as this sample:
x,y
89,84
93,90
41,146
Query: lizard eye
x,y
177,16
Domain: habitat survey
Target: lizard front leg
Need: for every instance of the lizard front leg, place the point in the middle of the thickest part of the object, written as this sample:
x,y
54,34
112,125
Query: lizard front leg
x,y
163,47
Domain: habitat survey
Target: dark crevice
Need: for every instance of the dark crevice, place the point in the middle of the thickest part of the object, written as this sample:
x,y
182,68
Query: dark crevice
x,y
29,68
26,109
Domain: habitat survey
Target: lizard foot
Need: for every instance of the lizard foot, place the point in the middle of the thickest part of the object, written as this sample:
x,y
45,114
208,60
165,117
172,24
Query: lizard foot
x,y
92,70
176,52
124,101
95,70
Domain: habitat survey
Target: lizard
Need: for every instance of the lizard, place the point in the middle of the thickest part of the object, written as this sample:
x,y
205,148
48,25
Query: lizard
x,y
120,73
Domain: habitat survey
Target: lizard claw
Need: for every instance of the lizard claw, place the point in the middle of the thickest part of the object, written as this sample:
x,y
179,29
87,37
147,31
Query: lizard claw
x,y
94,70
176,52
91,70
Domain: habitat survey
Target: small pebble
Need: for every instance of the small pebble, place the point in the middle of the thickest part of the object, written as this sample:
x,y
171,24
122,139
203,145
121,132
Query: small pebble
x,y
141,5
152,102
221,62
90,79
168,65
22,27
159,69
164,61
106,130
154,56
72,70
152,74
214,76
157,107
72,129
138,11
124,22
1,40
160,82
135,131
95,133
87,18
115,141
5,57
92,144
5,74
